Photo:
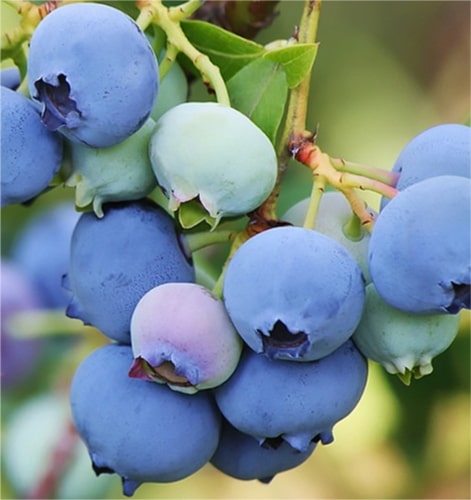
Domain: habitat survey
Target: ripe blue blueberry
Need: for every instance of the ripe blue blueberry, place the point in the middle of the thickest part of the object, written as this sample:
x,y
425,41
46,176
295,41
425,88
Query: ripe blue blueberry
x,y
444,149
293,293
31,155
142,431
420,248
297,402
334,219
116,259
10,77
94,73
42,251
181,335
241,456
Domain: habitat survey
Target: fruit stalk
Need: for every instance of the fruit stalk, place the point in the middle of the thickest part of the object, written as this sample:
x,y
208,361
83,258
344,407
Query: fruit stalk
x,y
296,113
306,152
318,187
385,176
153,11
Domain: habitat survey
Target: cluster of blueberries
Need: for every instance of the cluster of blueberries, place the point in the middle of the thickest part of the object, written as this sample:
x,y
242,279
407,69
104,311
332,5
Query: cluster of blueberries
x,y
253,380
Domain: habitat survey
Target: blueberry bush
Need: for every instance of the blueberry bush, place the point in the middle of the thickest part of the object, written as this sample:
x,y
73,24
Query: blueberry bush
x,y
236,253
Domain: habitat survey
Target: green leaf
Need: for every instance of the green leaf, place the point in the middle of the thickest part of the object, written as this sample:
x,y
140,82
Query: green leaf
x,y
191,213
260,90
228,51
297,61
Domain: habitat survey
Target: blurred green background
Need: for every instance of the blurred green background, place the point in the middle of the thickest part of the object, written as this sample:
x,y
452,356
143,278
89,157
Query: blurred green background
x,y
385,71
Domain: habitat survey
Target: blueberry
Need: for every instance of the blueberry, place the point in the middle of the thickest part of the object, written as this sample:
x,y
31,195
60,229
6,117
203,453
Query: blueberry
x,y
116,259
443,149
173,90
214,153
181,335
420,248
402,342
31,155
240,456
10,77
117,173
94,73
293,293
42,250
333,217
296,402
142,431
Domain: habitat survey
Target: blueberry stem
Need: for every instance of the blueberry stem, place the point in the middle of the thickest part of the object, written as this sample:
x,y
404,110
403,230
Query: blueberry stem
x,y
185,10
168,60
168,19
385,176
197,241
57,462
239,238
318,188
298,101
306,152
352,229
30,16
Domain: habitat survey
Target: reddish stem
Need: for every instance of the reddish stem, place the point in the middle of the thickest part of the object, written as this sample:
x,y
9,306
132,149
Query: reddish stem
x,y
58,464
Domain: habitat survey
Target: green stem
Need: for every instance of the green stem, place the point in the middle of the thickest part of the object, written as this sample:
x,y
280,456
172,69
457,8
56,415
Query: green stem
x,y
168,60
239,239
197,241
318,188
359,208
365,183
352,229
378,174
185,10
295,121
155,12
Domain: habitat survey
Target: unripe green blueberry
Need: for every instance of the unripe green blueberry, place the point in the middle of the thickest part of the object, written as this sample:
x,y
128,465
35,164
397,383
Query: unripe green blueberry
x,y
403,343
181,335
213,152
173,90
118,173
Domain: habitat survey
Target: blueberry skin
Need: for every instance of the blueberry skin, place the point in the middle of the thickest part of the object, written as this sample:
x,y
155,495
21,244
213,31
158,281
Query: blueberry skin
x,y
31,155
333,215
181,335
441,150
297,402
42,250
117,173
94,73
240,456
228,164
420,248
142,431
294,293
404,343
116,259
10,77
444,149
